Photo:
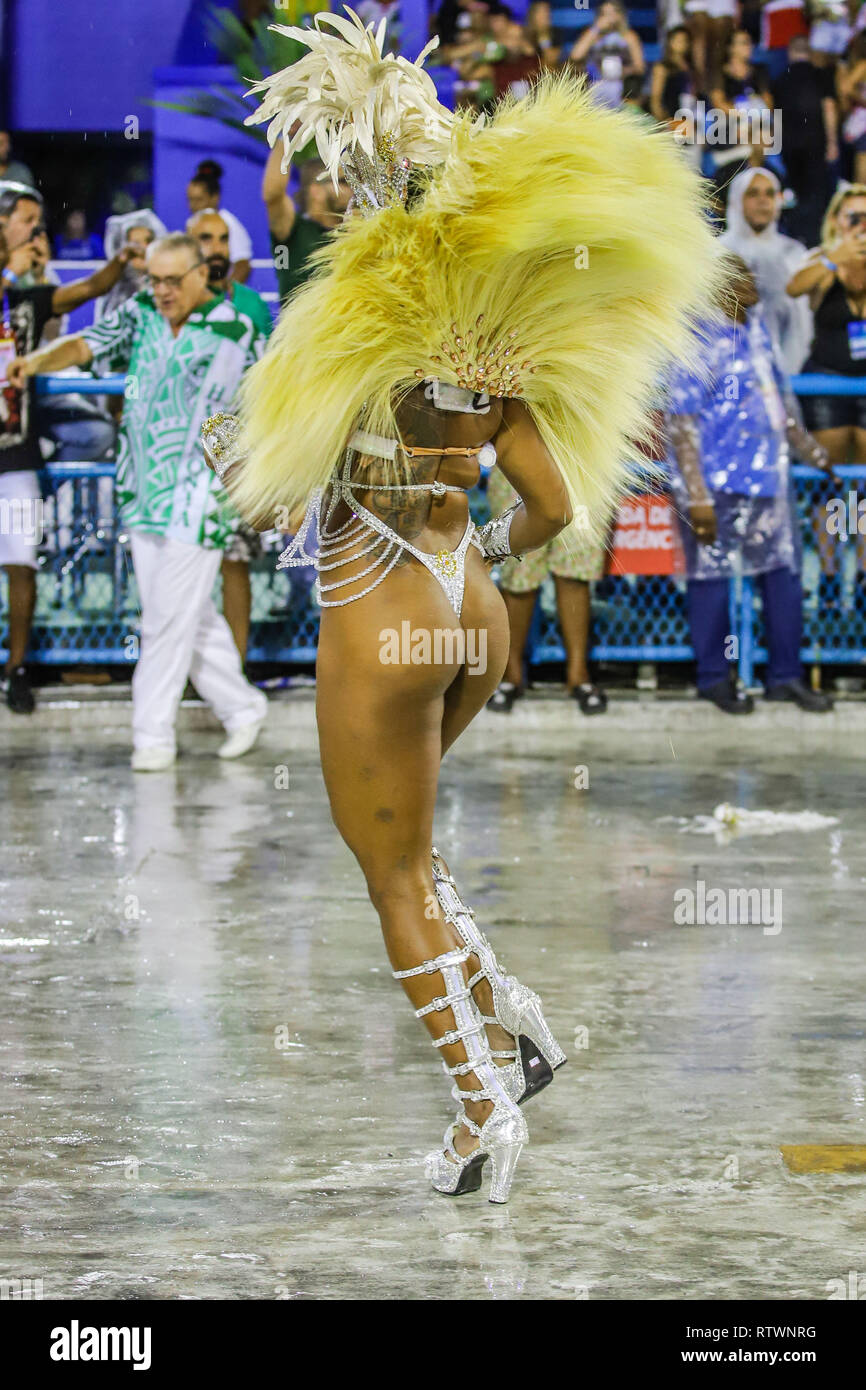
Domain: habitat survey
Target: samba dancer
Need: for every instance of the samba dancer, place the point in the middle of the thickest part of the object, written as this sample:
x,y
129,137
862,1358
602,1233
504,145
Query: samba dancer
x,y
517,285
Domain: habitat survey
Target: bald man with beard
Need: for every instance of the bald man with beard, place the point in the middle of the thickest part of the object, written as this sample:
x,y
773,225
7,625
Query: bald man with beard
x,y
211,231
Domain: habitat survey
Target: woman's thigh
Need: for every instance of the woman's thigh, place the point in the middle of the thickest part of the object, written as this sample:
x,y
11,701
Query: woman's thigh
x,y
838,441
485,623
379,714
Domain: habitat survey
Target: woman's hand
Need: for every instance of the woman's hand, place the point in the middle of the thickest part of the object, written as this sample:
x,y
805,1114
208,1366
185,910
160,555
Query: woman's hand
x,y
850,254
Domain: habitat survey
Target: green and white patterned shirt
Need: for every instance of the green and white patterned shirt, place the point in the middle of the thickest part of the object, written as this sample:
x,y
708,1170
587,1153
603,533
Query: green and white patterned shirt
x,y
172,386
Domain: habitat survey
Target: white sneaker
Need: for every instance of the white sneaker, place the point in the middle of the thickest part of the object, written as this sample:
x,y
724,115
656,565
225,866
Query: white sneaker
x,y
153,759
242,740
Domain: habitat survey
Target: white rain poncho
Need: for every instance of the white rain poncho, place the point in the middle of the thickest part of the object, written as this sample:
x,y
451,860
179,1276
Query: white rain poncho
x,y
772,259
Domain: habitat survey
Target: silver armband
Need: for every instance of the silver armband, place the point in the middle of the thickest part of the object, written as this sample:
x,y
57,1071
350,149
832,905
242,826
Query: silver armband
x,y
220,434
494,536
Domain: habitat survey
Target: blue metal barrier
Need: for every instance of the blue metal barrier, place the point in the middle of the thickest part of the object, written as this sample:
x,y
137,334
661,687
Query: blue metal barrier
x,y
88,610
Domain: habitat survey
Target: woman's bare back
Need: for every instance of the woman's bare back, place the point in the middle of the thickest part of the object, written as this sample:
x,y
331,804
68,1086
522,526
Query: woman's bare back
x,y
429,522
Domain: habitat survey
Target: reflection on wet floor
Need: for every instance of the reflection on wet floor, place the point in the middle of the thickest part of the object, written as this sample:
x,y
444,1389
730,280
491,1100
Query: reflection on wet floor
x,y
212,1087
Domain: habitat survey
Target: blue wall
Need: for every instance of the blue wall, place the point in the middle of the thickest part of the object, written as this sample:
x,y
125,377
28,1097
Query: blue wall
x,y
181,142
88,64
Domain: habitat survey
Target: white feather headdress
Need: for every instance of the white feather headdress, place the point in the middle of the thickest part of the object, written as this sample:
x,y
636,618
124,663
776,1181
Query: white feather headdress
x,y
373,115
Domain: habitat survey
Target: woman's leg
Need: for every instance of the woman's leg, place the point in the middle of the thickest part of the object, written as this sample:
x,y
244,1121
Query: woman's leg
x,y
237,602
858,451
520,608
483,612
22,606
380,736
840,443
486,622
573,605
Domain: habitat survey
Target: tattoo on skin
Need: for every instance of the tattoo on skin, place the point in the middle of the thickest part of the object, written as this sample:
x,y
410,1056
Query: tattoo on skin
x,y
407,511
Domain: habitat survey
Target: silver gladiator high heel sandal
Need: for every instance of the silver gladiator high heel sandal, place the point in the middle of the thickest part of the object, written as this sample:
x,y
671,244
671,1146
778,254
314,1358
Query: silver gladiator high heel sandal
x,y
504,1133
516,1009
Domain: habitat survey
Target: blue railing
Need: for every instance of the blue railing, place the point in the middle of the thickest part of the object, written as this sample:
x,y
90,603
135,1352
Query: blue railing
x,y
88,609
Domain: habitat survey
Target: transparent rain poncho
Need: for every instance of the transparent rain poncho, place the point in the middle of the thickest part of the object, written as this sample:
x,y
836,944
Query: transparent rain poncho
x,y
772,258
731,434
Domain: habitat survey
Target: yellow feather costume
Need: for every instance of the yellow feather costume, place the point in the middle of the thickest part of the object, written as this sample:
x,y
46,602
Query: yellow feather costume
x,y
580,238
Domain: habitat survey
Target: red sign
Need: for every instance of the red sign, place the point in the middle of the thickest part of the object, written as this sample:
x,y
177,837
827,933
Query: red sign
x,y
645,538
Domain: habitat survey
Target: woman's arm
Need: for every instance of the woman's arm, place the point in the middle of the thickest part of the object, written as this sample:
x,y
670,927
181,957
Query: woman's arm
x,y
657,87
814,279
584,44
523,458
635,53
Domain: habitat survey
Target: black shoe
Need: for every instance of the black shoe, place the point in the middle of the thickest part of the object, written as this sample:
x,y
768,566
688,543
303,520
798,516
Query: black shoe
x,y
503,697
591,699
797,692
726,697
19,696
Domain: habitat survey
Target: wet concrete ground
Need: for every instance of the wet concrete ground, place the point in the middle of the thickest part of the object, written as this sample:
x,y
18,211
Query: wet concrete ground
x,y
213,1089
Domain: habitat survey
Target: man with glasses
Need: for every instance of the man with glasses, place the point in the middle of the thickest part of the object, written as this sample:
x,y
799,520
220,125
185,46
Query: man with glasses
x,y
184,352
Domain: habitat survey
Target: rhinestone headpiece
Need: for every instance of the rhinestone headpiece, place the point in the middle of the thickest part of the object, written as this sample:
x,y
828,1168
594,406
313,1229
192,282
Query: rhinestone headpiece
x,y
485,363
378,181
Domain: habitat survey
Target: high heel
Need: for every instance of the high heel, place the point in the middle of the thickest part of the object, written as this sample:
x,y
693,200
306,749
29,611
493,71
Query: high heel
x,y
503,1161
504,1133
533,1025
518,1010
500,1142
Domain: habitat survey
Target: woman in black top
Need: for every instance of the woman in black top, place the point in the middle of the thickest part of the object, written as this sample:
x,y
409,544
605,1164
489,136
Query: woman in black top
x,y
743,93
834,278
674,84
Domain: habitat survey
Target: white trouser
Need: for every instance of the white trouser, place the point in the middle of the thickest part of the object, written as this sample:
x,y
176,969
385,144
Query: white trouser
x,y
183,635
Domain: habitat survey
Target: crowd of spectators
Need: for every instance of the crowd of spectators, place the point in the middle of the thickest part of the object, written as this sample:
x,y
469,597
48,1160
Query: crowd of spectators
x,y
775,129
797,68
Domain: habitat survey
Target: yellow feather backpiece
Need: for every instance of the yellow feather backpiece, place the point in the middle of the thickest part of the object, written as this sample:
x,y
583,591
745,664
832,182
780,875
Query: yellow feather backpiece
x,y
577,234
